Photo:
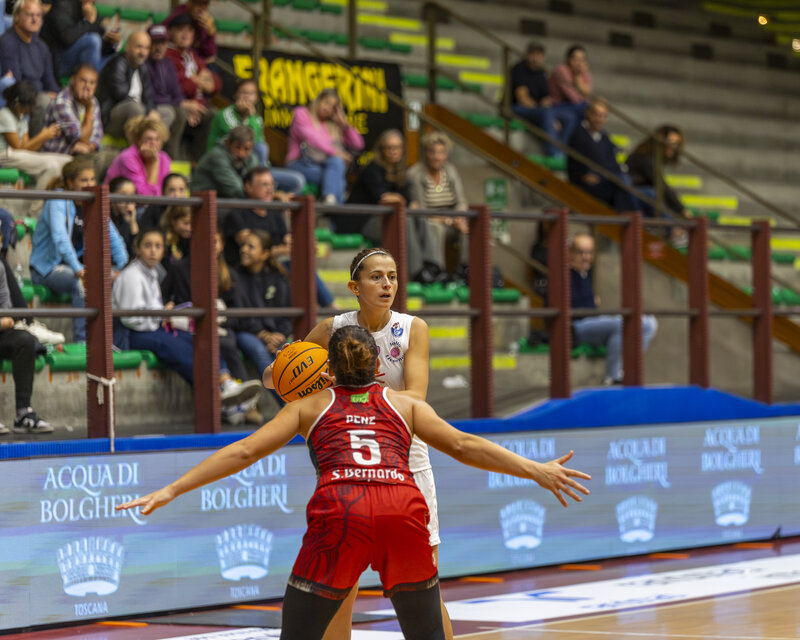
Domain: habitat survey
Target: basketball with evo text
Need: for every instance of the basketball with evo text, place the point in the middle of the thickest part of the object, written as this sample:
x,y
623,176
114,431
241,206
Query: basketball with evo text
x,y
296,372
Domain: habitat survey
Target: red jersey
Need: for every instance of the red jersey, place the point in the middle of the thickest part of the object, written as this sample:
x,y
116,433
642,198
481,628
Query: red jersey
x,y
360,438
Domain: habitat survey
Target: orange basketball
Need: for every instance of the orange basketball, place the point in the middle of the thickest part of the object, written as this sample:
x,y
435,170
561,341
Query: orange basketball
x,y
296,372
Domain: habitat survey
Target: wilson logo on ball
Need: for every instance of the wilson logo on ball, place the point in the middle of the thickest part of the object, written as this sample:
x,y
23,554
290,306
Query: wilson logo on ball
x,y
297,369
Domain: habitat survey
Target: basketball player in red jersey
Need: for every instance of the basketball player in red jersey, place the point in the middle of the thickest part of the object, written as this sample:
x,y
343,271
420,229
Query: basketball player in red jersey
x,y
402,341
366,508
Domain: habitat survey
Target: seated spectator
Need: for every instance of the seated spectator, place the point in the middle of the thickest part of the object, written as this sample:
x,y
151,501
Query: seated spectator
x,y
591,140
75,34
76,111
17,149
27,58
598,330
243,111
144,163
174,185
176,225
223,168
263,284
530,99
570,84
321,144
57,253
434,183
123,214
177,112
6,79
204,28
20,347
124,90
136,287
642,173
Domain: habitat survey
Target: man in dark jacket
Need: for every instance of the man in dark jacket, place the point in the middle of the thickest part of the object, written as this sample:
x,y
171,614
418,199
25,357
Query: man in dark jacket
x,y
74,32
591,140
124,91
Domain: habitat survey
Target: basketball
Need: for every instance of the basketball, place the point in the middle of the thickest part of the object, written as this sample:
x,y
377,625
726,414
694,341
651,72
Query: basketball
x,y
296,372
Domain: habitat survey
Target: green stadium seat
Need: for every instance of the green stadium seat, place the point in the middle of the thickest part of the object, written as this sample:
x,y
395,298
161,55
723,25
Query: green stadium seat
x,y
341,39
347,241
374,44
416,80
280,3
151,360
323,235
106,11
5,365
158,17
549,162
73,358
305,5
740,253
414,289
333,9
526,347
21,230
234,26
9,176
405,49
320,37
790,297
437,294
783,257
133,14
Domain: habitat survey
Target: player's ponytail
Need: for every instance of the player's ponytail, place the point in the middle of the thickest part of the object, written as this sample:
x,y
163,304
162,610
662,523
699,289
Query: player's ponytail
x,y
352,352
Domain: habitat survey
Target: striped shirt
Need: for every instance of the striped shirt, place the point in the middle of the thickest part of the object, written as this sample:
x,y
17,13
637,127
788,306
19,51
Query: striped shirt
x,y
438,196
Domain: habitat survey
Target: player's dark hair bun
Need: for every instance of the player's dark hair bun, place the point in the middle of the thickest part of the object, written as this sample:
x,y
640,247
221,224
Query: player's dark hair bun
x,y
352,352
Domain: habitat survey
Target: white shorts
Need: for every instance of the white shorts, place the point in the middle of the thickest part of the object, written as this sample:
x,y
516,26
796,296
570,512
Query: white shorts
x,y
427,486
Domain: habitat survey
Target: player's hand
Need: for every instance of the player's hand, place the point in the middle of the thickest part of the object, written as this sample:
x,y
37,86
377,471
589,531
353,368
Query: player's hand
x,y
328,376
150,502
555,477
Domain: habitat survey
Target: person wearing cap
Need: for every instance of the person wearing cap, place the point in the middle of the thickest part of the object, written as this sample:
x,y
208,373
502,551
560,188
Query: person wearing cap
x,y
197,81
75,33
205,30
77,113
124,90
182,115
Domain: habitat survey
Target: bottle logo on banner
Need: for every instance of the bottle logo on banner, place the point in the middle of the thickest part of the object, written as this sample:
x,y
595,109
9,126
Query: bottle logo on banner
x,y
636,517
731,503
243,552
531,448
90,565
249,490
522,523
732,448
636,461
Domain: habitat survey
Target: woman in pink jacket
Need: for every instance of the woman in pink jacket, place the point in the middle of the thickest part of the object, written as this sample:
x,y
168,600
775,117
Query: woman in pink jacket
x,y
320,144
143,163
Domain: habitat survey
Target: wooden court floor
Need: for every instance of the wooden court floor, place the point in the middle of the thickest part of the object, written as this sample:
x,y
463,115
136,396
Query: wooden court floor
x,y
765,614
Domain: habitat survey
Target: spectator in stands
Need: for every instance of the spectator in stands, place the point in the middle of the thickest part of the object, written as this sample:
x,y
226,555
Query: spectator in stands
x,y
137,288
602,330
204,29
6,80
322,144
591,140
571,82
530,99
641,167
24,54
124,91
174,185
19,346
17,149
263,284
144,163
177,112
434,183
176,225
76,111
57,254
224,167
123,214
75,34
243,111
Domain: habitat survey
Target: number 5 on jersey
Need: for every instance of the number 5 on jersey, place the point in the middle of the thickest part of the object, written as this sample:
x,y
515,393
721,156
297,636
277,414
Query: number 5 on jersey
x,y
359,440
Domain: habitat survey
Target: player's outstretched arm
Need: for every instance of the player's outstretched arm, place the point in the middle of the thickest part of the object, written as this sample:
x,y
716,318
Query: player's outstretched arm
x,y
228,460
479,452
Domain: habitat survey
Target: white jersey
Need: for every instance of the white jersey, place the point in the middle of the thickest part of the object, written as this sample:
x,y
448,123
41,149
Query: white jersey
x,y
392,343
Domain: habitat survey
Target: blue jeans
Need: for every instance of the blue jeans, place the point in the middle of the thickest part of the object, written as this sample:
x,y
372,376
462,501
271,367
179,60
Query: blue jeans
x,y
62,279
288,180
546,117
252,346
87,48
329,176
607,330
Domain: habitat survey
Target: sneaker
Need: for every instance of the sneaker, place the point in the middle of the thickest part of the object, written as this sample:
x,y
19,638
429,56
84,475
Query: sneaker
x,y
330,199
29,422
233,415
3,429
41,332
233,392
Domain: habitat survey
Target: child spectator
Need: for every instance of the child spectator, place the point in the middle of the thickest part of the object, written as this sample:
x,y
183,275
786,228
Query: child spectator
x,y
174,185
137,287
243,111
176,224
263,284
144,163
57,254
123,214
19,151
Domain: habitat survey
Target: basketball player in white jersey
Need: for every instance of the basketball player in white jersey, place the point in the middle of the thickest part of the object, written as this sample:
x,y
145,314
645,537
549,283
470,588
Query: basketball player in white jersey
x,y
403,344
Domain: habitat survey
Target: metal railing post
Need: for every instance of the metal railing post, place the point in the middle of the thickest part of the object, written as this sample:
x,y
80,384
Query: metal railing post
x,y
259,29
352,29
204,296
97,285
429,11
394,238
480,297
700,324
303,272
266,14
506,94
631,283
558,297
762,324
